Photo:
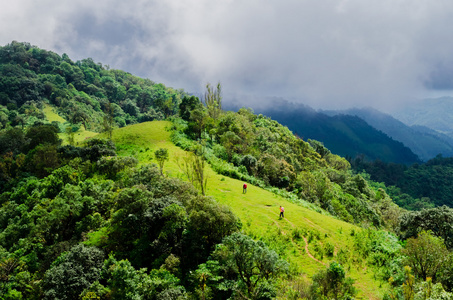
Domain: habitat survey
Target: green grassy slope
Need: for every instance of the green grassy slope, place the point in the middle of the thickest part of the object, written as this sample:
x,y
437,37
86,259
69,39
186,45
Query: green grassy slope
x,y
258,210
79,136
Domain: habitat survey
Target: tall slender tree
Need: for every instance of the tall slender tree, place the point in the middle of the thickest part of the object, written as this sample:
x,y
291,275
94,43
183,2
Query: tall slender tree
x,y
108,120
198,167
213,100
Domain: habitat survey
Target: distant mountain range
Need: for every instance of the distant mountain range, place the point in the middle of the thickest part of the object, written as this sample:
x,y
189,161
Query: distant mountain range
x,y
377,135
426,142
436,114
343,133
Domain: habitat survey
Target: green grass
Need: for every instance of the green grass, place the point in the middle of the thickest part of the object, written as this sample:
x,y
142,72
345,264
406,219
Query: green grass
x,y
79,136
258,210
51,115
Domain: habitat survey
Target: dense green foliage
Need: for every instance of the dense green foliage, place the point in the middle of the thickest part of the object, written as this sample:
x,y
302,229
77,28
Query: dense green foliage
x,y
145,219
78,221
414,187
82,91
438,220
332,284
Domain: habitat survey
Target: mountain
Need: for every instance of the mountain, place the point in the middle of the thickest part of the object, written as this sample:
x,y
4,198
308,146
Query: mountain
x,y
423,141
435,113
343,134
100,216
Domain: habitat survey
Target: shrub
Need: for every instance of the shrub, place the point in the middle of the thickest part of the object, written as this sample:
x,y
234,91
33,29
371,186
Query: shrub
x,y
329,249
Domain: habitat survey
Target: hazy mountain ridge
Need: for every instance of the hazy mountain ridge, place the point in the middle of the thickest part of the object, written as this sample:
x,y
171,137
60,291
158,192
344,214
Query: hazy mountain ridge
x,y
344,134
434,113
423,141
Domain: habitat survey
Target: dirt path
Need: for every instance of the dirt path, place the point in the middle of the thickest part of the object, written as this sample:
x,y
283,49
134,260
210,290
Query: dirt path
x,y
292,241
308,252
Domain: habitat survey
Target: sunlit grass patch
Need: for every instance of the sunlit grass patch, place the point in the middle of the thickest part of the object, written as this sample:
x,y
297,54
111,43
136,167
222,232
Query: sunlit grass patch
x,y
51,115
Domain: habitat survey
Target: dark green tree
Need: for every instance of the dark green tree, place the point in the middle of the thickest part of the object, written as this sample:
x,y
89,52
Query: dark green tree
x,y
249,266
438,220
319,147
42,134
187,105
209,222
73,272
12,140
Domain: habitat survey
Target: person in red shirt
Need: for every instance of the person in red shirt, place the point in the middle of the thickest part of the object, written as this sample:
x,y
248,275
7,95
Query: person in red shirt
x,y
282,211
244,188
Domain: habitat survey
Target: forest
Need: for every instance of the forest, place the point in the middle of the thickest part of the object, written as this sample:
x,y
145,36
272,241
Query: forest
x,y
113,187
415,186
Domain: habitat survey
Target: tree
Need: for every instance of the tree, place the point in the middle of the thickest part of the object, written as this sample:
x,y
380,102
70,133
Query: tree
x,y
198,164
319,147
79,116
108,120
252,265
213,100
127,283
70,134
42,134
332,283
206,276
161,156
43,159
192,164
425,254
187,105
439,220
112,165
198,121
209,223
73,272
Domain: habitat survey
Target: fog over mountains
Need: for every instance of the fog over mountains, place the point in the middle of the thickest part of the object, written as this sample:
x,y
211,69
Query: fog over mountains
x,y
423,139
424,128
435,113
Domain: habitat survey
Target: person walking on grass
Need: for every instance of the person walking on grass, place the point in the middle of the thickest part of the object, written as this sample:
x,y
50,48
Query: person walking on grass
x,y
282,211
244,188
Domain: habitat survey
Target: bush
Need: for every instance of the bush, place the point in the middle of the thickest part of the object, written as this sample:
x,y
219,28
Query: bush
x,y
329,249
332,283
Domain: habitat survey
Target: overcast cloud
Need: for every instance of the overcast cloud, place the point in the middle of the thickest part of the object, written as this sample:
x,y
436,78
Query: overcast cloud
x,y
327,54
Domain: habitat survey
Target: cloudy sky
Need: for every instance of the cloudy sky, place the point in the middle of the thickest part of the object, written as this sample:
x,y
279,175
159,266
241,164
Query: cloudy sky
x,y
326,54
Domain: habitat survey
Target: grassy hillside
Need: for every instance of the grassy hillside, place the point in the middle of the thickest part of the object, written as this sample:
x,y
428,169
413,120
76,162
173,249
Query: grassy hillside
x,y
153,235
258,210
80,135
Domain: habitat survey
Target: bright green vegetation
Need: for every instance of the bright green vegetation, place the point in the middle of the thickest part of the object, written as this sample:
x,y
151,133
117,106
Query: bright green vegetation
x,y
51,116
84,93
79,136
258,210
98,215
